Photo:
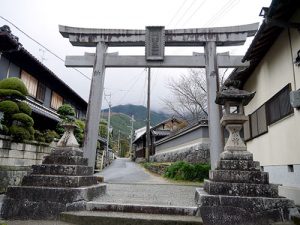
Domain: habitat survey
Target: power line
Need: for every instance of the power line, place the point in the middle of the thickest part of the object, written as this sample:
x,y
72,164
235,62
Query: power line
x,y
48,50
185,12
176,13
138,77
193,14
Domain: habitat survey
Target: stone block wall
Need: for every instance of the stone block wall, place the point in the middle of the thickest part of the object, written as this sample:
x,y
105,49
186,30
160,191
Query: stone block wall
x,y
16,159
195,154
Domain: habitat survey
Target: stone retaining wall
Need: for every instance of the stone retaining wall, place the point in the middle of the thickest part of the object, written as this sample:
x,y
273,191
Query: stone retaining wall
x,y
157,168
196,154
16,159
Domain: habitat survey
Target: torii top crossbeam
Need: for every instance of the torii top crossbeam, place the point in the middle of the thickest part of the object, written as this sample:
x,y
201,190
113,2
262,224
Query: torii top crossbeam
x,y
222,36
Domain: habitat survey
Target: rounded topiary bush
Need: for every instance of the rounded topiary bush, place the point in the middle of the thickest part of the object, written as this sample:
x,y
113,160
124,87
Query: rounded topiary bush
x,y
20,133
24,108
9,107
23,118
11,94
66,110
14,83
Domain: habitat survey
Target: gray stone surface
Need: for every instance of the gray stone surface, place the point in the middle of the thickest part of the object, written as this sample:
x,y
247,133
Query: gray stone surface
x,y
195,154
149,194
242,210
236,176
116,218
44,196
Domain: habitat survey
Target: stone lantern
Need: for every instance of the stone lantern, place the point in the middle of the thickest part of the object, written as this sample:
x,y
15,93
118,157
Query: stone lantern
x,y
233,119
237,191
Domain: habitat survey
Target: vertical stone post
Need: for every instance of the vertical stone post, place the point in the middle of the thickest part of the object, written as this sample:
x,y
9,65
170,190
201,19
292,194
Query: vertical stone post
x,y
214,111
94,106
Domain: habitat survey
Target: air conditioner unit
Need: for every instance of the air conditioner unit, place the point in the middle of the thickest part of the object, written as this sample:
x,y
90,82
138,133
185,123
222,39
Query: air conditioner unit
x,y
295,98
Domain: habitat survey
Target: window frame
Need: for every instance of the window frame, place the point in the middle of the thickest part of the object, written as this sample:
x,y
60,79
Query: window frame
x,y
277,95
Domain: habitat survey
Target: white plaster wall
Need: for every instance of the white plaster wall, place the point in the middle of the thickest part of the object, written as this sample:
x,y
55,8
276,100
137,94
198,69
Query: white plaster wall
x,y
280,146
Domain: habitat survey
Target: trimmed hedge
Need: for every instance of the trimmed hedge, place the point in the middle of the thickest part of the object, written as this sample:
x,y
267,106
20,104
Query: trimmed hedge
x,y
25,108
9,107
14,83
20,133
185,171
23,118
11,94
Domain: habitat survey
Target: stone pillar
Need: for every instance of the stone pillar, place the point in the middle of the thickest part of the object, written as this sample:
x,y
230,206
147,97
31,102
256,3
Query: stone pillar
x,y
214,111
94,106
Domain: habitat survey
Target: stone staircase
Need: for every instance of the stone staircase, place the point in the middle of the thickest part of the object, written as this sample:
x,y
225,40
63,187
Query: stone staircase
x,y
63,182
142,204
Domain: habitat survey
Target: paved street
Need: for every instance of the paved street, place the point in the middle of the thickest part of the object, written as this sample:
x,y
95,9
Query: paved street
x,y
123,170
129,183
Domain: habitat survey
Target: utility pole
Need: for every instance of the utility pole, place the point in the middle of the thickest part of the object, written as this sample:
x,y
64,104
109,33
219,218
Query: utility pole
x,y
119,143
147,152
108,129
131,136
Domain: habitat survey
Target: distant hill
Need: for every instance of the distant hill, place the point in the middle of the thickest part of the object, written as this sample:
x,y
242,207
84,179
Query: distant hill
x,y
121,116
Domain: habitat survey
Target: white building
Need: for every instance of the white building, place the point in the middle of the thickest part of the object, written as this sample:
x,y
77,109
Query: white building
x,y
273,130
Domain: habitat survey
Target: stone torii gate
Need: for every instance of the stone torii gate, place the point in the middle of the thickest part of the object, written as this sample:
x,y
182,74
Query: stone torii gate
x,y
155,39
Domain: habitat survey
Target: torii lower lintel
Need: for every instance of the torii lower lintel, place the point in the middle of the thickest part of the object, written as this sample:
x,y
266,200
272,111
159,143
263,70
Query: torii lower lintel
x,y
196,61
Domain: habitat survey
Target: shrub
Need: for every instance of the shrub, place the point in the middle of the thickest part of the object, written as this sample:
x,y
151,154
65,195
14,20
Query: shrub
x,y
66,111
25,108
11,94
39,136
20,133
23,118
185,171
14,83
4,130
50,135
9,107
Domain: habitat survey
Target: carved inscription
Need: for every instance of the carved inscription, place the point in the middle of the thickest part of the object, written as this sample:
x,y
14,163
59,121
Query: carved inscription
x,y
155,43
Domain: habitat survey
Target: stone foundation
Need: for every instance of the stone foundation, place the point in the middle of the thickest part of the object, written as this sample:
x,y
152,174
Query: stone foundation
x,y
195,154
237,193
16,159
63,182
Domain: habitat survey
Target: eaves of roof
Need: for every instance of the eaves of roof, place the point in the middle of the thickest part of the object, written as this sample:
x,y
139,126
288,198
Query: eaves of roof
x,y
279,10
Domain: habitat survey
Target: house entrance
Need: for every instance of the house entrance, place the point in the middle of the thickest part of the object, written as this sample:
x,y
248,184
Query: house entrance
x,y
155,39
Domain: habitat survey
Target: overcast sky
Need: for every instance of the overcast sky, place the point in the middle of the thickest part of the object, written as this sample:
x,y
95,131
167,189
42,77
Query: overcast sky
x,y
40,19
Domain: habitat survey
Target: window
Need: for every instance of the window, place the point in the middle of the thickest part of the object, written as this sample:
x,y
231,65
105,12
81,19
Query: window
x,y
41,90
279,105
257,124
56,100
30,82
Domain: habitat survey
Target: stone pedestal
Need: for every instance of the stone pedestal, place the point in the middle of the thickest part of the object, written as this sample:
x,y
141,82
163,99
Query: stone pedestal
x,y
237,192
63,182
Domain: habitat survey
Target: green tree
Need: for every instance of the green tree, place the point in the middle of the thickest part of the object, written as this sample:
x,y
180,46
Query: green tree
x,y
16,120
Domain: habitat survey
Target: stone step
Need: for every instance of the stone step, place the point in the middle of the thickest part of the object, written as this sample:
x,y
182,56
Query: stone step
x,y
69,170
25,202
57,194
237,176
65,160
241,189
116,218
142,208
67,151
58,181
238,165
